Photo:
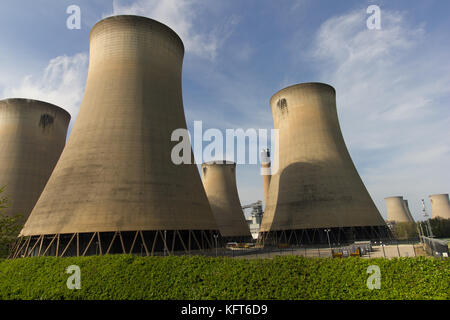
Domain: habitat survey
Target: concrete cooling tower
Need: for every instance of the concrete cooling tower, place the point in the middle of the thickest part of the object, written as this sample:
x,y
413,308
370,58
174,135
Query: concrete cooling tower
x,y
115,188
317,185
397,210
440,207
32,137
219,180
405,202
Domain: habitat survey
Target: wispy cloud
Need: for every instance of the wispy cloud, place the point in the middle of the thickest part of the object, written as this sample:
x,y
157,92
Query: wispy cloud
x,y
393,88
61,83
183,16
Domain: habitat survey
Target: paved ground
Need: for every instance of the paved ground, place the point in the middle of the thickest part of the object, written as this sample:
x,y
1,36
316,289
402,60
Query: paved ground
x,y
387,251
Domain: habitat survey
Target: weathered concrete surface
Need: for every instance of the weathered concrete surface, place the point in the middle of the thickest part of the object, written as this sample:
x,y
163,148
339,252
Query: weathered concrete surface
x,y
397,210
32,137
219,180
116,172
317,184
440,206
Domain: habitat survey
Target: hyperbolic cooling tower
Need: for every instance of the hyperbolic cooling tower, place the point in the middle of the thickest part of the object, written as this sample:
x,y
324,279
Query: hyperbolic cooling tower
x,y
440,206
397,210
317,185
115,187
32,137
219,180
408,211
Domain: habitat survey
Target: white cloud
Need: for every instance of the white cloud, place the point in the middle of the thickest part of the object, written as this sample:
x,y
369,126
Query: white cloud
x,y
393,88
184,17
61,83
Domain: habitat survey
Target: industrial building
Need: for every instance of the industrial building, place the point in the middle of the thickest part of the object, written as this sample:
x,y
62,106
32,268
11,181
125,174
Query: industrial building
x,y
440,207
32,137
219,181
398,210
316,191
115,188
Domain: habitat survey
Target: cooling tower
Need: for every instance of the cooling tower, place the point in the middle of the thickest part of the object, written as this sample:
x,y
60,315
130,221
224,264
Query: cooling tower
x,y
405,202
440,207
397,210
115,188
317,185
219,180
32,137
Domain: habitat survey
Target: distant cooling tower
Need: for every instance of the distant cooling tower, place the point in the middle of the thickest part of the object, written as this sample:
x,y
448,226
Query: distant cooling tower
x,y
219,180
317,185
397,210
405,202
115,188
32,137
440,206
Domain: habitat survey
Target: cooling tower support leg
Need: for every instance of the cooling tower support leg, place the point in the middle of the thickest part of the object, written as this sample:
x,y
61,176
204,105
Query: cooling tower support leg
x,y
160,242
318,236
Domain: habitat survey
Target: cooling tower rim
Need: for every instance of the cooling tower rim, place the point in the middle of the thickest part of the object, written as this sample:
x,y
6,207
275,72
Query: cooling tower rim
x,y
438,194
135,17
303,84
219,162
395,197
30,101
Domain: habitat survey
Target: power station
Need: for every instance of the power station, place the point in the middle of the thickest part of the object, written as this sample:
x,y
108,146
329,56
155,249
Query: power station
x,y
398,210
32,137
317,185
440,207
115,188
219,180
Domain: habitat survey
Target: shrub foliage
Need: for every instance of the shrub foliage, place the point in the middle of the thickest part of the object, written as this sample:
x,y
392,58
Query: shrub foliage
x,y
289,277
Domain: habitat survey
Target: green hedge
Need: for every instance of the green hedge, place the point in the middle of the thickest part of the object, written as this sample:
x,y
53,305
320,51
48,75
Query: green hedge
x,y
290,277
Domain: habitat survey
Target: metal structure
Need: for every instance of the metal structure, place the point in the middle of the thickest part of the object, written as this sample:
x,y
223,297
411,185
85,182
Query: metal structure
x,y
32,137
256,216
115,188
440,206
397,210
316,185
219,181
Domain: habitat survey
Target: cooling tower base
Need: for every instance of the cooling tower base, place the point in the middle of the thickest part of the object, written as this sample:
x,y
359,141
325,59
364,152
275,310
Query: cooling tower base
x,y
319,235
146,243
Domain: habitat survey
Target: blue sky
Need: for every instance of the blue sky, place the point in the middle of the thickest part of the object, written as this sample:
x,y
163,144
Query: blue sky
x,y
393,84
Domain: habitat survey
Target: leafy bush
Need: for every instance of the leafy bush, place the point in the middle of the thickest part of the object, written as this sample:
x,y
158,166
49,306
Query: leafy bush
x,y
288,277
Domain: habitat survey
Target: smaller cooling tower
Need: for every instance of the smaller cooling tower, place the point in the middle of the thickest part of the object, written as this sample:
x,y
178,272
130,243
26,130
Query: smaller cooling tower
x,y
405,202
440,206
396,210
219,180
32,137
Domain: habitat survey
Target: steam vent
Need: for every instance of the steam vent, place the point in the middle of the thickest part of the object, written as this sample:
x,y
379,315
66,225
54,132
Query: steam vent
x,y
397,210
115,188
32,137
317,185
219,180
440,206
